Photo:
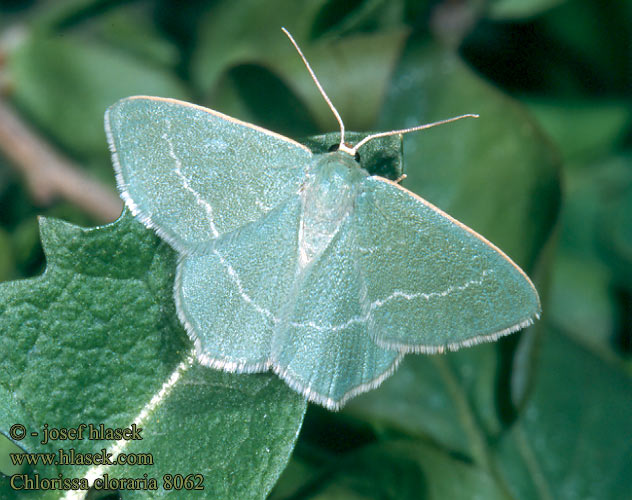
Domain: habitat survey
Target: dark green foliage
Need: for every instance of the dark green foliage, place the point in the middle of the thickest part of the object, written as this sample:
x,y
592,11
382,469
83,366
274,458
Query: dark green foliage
x,y
543,414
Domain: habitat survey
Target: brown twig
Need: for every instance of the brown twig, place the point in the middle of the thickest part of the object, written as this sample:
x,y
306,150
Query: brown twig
x,y
48,173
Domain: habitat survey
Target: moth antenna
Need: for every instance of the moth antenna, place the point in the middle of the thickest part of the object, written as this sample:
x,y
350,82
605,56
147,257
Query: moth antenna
x,y
341,146
411,129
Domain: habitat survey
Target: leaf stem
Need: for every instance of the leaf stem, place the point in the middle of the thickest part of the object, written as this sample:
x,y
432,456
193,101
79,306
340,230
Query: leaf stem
x,y
478,441
539,480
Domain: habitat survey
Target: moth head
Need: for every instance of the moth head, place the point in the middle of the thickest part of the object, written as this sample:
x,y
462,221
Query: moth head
x,y
346,148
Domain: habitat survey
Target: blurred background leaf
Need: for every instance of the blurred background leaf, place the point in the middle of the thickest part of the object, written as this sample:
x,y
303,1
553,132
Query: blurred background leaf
x,y
65,83
545,173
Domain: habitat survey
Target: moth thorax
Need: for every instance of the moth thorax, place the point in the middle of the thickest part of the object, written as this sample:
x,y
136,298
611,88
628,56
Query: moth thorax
x,y
327,198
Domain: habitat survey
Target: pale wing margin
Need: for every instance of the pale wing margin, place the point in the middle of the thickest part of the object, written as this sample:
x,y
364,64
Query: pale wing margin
x,y
433,283
194,174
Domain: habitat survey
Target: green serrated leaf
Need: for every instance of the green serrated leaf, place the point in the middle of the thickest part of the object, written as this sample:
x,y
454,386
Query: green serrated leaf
x,y
95,339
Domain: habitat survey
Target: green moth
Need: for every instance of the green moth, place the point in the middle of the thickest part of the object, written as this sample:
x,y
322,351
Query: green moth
x,y
303,263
